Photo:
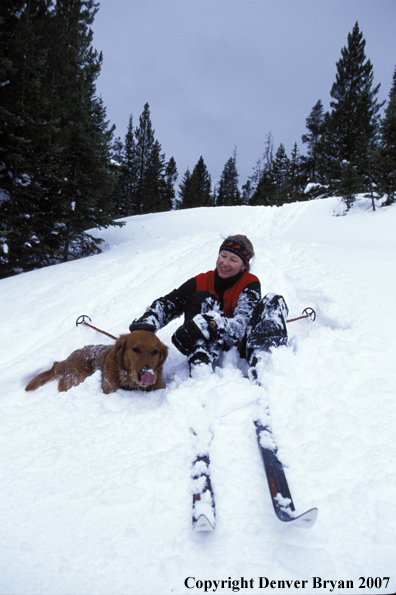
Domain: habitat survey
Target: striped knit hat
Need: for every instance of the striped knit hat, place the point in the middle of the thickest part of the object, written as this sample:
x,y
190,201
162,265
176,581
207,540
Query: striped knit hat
x,y
237,248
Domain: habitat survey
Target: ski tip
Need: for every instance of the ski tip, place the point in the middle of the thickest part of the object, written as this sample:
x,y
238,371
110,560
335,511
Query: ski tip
x,y
202,523
306,519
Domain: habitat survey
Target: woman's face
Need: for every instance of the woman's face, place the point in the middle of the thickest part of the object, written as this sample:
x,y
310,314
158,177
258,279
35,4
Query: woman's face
x,y
228,264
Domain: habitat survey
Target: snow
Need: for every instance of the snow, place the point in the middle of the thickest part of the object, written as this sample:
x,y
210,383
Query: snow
x,y
96,489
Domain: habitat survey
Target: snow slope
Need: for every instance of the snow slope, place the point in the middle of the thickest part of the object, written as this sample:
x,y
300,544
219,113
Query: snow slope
x,y
95,490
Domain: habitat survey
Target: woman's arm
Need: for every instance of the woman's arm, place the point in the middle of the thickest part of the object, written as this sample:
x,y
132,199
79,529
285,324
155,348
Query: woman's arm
x,y
165,308
247,301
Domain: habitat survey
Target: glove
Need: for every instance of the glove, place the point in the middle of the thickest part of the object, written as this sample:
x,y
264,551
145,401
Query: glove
x,y
186,337
141,325
201,328
207,325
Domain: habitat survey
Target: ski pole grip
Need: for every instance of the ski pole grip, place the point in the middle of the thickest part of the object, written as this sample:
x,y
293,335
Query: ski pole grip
x,y
310,313
307,313
81,319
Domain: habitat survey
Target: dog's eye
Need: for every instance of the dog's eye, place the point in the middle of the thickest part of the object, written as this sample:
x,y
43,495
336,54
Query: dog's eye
x,y
136,350
154,352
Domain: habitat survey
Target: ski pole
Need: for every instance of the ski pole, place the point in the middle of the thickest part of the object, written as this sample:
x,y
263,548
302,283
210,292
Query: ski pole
x,y
307,313
81,320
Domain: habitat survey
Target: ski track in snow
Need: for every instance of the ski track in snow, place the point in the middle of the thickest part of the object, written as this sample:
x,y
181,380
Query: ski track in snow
x,y
96,489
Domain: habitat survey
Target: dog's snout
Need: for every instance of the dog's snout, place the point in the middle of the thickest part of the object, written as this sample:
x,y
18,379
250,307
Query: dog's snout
x,y
147,376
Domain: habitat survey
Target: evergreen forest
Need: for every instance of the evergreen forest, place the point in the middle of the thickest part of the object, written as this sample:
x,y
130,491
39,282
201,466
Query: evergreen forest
x,y
63,172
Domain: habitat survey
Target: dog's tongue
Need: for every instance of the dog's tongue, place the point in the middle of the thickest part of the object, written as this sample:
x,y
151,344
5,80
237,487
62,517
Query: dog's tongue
x,y
147,378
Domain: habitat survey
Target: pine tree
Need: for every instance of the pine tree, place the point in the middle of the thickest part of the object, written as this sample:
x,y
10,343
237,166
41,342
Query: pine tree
x,y
268,155
297,176
145,180
385,159
153,184
281,177
57,149
202,184
170,177
197,187
314,124
261,188
27,128
265,191
349,182
185,190
228,193
247,192
85,136
125,189
144,139
255,178
349,133
118,148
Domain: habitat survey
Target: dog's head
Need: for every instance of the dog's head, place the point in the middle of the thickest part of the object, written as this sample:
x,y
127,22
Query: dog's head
x,y
140,357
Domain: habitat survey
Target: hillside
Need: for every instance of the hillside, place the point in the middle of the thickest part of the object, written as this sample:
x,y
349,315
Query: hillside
x,y
95,494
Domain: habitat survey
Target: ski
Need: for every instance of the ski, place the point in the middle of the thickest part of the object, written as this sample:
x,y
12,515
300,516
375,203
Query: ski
x,y
277,482
203,504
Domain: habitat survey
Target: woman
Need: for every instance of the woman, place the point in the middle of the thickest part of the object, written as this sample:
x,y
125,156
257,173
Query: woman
x,y
221,308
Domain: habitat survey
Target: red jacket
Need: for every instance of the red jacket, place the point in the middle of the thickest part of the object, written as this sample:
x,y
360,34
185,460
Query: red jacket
x,y
205,282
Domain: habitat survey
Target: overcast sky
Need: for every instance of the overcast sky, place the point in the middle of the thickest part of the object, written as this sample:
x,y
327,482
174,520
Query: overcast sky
x,y
220,74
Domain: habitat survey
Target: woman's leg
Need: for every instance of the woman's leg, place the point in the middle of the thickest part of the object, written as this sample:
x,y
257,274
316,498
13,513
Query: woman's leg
x,y
266,328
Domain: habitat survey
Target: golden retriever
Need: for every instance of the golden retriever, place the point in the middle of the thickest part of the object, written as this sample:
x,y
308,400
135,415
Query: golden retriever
x,y
135,361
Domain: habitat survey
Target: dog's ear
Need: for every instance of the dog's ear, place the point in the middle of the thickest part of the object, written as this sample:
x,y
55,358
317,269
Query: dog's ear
x,y
119,350
163,353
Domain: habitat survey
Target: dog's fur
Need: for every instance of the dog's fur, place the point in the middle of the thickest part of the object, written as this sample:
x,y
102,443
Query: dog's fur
x,y
137,354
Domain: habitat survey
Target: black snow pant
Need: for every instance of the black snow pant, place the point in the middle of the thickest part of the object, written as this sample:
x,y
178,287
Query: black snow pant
x,y
266,328
201,337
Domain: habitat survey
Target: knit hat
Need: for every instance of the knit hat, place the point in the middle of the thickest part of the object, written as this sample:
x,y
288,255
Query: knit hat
x,y
237,248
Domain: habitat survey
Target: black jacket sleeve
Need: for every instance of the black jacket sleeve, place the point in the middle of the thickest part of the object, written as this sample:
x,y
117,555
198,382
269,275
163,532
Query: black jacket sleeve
x,y
247,301
166,308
